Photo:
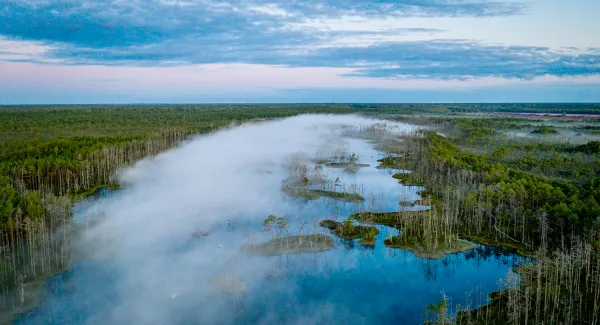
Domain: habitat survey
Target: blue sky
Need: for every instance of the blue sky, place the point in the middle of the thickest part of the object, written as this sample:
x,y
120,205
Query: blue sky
x,y
137,51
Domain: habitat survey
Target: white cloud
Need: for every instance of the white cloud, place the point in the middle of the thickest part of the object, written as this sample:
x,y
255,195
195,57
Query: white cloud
x,y
18,50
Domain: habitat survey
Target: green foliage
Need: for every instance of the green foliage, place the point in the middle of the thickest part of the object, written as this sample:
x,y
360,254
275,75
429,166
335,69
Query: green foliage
x,y
590,148
370,236
563,201
545,129
282,224
9,199
40,145
13,204
329,224
347,227
33,205
270,221
526,108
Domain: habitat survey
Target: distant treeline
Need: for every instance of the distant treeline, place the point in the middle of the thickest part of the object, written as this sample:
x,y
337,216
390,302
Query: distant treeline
x,y
286,109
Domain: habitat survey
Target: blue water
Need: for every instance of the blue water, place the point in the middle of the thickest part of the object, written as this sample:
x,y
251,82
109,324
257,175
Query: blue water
x,y
350,284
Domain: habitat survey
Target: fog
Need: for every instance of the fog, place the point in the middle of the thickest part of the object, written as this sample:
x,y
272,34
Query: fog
x,y
159,272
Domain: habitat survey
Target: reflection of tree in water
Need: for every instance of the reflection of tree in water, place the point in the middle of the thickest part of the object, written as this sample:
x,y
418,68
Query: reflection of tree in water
x,y
368,249
450,264
348,244
279,269
484,253
429,270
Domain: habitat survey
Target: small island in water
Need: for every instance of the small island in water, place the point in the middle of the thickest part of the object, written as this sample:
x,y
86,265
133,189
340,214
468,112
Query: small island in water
x,y
312,194
432,250
348,230
291,245
421,245
348,167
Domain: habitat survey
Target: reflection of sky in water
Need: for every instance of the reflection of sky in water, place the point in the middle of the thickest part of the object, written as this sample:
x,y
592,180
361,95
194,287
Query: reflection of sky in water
x,y
347,285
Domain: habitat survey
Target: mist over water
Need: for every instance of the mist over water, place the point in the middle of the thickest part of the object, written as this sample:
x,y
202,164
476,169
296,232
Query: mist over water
x,y
142,266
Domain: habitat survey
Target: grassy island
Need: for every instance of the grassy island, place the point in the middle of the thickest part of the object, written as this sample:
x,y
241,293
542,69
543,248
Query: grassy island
x,y
345,165
367,241
391,162
435,252
347,230
329,224
405,179
291,245
391,219
311,194
348,167
355,232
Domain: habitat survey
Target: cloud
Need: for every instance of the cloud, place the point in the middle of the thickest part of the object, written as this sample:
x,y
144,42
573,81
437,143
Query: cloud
x,y
459,59
268,32
116,24
432,59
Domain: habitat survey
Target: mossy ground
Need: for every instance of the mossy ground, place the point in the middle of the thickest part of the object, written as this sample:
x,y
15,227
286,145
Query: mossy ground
x,y
312,194
365,241
406,179
443,248
391,162
350,232
390,219
355,232
489,240
345,165
329,224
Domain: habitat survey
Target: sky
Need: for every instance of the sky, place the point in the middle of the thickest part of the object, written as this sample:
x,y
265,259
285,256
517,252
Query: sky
x,y
205,51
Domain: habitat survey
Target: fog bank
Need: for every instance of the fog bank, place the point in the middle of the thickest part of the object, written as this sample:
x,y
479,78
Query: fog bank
x,y
160,272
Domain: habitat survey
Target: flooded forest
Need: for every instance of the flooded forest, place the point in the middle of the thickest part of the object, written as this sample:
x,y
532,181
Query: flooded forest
x,y
300,214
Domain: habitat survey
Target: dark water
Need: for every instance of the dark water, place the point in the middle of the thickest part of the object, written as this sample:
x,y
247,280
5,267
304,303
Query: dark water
x,y
350,284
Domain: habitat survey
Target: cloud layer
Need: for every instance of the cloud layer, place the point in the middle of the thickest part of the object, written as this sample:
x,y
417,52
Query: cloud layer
x,y
159,33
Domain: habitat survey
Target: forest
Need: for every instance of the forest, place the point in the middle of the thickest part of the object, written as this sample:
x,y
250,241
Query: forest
x,y
527,185
533,194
